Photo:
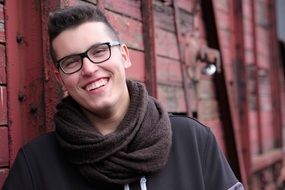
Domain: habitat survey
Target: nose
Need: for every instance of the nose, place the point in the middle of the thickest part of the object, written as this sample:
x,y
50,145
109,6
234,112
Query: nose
x,y
88,67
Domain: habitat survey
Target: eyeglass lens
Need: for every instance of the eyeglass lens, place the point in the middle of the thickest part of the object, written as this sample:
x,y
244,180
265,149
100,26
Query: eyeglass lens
x,y
96,54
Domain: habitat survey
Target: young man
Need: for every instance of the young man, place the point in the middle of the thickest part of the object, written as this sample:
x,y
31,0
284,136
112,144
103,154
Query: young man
x,y
110,134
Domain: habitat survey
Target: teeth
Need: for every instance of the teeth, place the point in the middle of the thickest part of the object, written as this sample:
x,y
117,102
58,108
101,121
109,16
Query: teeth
x,y
96,84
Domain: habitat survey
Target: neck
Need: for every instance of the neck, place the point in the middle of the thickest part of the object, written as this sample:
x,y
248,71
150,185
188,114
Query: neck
x,y
105,125
109,121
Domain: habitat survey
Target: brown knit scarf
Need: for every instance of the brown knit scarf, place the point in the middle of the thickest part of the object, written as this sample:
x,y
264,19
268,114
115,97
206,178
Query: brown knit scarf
x,y
140,145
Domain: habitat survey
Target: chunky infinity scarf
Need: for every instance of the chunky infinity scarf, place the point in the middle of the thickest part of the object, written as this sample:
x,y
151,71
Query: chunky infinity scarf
x,y
140,145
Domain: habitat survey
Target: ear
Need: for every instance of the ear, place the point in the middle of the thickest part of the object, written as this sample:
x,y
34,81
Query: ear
x,y
126,56
58,78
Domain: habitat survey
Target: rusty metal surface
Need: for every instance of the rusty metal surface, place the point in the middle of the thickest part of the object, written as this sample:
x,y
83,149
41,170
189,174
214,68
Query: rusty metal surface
x,y
12,56
52,90
24,72
241,85
150,47
224,33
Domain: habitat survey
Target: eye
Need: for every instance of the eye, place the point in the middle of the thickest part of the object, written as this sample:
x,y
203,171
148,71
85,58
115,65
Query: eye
x,y
70,62
98,51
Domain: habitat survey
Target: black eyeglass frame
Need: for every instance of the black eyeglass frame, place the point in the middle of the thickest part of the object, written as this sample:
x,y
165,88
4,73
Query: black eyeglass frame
x,y
85,54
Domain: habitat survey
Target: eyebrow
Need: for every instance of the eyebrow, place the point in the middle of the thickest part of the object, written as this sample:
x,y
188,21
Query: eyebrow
x,y
74,54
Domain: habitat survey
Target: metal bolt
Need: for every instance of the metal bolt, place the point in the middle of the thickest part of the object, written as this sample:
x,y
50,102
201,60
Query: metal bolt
x,y
21,97
19,38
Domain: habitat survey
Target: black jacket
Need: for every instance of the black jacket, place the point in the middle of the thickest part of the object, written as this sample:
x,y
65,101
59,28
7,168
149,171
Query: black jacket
x,y
195,163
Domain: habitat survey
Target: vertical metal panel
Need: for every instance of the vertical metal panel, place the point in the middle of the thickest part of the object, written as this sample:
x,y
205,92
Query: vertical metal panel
x,y
257,95
225,39
240,80
218,40
13,78
52,90
24,72
276,91
275,79
149,44
185,80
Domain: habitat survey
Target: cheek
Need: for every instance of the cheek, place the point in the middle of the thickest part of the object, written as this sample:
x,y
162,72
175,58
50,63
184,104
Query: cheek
x,y
69,82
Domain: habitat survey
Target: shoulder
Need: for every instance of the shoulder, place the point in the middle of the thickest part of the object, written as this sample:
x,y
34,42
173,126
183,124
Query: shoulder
x,y
189,126
44,147
190,133
46,140
31,158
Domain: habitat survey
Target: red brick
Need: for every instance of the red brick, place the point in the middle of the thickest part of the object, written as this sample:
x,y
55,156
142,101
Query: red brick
x,y
4,152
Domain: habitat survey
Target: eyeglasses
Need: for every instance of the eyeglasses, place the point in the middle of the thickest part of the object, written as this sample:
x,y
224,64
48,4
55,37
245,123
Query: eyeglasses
x,y
97,53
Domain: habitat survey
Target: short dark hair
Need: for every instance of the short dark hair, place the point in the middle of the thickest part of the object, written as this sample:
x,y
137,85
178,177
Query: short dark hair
x,y
71,17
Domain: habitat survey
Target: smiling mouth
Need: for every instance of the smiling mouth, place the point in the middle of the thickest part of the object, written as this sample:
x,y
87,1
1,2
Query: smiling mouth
x,y
97,84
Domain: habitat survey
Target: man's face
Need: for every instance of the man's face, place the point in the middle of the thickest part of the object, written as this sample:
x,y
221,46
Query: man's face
x,y
99,88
